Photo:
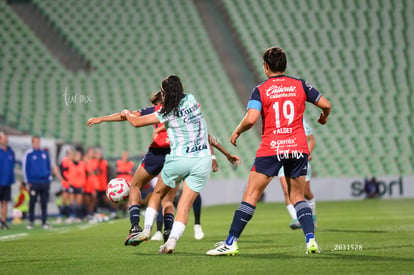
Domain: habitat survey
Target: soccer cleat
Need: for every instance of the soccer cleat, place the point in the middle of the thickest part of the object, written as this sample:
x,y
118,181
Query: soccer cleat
x,y
198,232
222,249
312,247
30,226
46,226
135,239
4,226
166,234
168,247
133,232
295,225
157,236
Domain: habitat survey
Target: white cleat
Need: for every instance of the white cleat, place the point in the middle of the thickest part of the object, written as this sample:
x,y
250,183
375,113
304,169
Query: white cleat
x,y
157,236
222,249
198,232
168,247
312,247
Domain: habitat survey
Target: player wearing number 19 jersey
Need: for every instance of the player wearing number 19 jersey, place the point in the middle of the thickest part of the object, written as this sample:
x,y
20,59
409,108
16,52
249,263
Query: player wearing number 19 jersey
x,y
280,101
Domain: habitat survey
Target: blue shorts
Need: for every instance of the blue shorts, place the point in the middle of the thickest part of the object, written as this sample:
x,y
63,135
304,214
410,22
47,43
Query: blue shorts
x,y
154,160
308,174
5,193
195,171
293,166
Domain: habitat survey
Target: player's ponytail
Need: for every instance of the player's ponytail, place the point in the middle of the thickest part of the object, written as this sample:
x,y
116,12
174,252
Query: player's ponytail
x,y
173,91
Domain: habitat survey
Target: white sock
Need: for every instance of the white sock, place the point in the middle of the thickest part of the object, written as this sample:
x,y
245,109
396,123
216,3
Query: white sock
x,y
150,216
292,211
312,205
177,230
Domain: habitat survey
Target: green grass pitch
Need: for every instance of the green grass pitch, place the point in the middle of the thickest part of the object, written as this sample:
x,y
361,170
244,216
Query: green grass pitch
x,y
356,237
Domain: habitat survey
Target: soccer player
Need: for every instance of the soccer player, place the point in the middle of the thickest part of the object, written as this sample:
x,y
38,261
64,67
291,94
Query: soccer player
x,y
6,176
89,188
280,101
189,160
308,193
124,167
77,179
64,167
37,171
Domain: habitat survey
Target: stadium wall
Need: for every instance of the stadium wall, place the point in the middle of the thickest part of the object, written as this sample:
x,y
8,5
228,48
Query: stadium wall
x,y
324,189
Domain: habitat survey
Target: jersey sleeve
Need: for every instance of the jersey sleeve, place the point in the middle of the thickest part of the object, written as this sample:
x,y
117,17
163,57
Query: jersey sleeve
x,y
255,102
146,111
312,95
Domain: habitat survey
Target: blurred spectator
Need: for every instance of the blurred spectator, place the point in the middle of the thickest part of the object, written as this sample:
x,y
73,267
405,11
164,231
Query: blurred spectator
x,y
37,170
372,188
21,205
6,176
77,179
102,200
92,181
124,167
65,167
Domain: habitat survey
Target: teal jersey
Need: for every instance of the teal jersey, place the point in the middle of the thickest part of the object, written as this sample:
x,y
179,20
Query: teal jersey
x,y
308,129
187,129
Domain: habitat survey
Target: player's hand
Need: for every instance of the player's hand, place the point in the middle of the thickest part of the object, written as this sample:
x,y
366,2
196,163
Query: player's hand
x,y
322,119
309,157
93,120
235,160
214,166
234,138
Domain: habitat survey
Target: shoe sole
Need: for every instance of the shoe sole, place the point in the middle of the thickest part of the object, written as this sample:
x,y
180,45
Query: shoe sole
x,y
235,253
136,242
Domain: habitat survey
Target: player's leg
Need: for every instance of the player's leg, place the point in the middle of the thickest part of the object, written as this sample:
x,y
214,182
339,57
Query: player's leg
x,y
160,221
168,211
5,197
79,202
33,191
309,195
257,183
198,230
44,199
289,206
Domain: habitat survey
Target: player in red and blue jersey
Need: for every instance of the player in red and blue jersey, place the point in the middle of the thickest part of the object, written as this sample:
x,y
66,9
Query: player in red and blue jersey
x,y
280,101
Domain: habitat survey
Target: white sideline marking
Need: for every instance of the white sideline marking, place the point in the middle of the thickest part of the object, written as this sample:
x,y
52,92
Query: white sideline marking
x,y
13,236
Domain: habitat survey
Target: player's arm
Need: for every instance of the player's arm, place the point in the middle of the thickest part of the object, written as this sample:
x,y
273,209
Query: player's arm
x,y
325,106
214,164
139,121
247,122
157,131
311,144
232,158
108,118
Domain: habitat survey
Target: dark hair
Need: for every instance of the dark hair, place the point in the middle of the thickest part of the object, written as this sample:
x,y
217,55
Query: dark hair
x,y
156,98
173,92
275,58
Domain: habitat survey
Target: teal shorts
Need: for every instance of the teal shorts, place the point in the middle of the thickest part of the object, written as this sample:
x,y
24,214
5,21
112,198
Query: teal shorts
x,y
308,175
195,171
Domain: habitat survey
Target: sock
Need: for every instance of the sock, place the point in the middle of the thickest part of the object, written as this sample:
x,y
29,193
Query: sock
x,y
168,221
134,214
304,214
292,211
150,216
72,211
177,230
241,217
197,209
312,205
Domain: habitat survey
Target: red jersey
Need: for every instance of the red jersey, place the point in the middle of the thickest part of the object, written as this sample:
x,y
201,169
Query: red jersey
x,y
64,170
281,101
92,167
102,175
124,169
77,175
161,141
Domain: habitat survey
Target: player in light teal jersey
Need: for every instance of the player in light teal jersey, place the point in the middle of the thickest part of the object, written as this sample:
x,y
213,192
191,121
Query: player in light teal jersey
x,y
189,160
308,193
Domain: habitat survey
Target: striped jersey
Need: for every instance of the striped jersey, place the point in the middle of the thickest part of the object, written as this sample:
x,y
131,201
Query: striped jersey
x,y
187,129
